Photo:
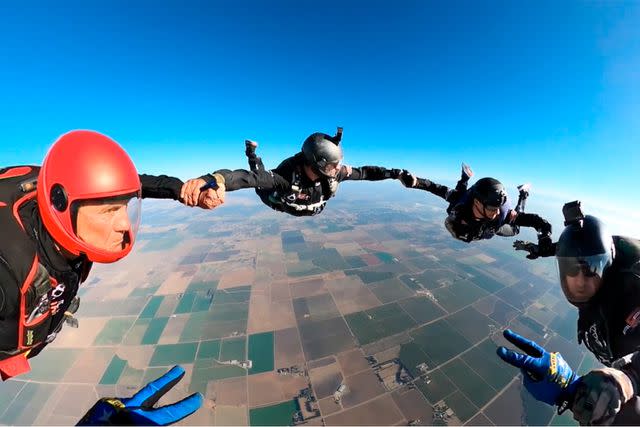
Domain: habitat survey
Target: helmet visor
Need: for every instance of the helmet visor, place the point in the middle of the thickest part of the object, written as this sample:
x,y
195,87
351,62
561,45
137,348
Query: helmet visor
x,y
107,224
330,169
590,266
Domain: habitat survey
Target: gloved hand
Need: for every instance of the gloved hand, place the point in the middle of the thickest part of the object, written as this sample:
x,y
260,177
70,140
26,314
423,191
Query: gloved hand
x,y
408,179
546,375
138,409
532,248
546,247
600,395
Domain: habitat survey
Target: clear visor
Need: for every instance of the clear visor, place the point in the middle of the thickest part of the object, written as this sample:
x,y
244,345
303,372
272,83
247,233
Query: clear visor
x,y
590,266
109,224
329,169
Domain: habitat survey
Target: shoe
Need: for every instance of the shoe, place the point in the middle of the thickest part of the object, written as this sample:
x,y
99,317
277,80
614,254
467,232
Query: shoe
x,y
466,171
524,189
250,147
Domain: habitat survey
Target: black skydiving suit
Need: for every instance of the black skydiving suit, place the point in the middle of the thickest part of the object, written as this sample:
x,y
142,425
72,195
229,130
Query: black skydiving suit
x,y
464,226
288,189
609,323
37,283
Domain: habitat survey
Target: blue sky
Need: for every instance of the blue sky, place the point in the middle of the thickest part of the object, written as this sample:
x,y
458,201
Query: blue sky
x,y
547,92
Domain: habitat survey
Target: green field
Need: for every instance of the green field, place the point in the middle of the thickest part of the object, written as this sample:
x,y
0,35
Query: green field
x,y
370,276
114,330
411,355
233,349
154,330
470,383
439,386
458,295
275,415
472,324
208,370
440,341
114,370
261,352
208,350
421,308
483,360
390,290
380,322
173,354
152,306
462,407
238,294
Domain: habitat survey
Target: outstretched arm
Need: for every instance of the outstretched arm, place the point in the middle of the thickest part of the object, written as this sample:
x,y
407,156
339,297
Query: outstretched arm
x,y
532,220
367,173
240,178
160,187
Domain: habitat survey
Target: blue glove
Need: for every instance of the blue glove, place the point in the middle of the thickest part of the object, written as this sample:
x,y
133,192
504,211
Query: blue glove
x,y
546,375
138,409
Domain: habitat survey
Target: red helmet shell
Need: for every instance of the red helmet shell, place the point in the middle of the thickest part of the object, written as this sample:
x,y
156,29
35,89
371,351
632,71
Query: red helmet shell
x,y
86,165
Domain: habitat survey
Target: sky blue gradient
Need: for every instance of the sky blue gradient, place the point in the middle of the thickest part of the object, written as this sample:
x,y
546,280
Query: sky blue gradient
x,y
539,91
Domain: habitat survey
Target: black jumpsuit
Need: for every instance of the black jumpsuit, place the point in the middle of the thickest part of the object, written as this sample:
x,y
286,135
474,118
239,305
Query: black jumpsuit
x,y
288,189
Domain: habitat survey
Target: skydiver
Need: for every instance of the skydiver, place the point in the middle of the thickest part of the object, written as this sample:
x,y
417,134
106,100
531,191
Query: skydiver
x,y
600,276
482,211
302,184
81,206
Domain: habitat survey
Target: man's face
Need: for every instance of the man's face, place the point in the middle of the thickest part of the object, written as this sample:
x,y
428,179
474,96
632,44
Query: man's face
x,y
331,169
484,212
581,287
105,226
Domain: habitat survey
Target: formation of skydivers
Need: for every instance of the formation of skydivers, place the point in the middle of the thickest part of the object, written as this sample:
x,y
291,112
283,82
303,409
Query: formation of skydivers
x,y
83,204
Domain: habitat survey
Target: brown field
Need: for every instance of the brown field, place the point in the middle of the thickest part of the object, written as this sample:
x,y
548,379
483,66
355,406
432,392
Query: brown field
x,y
205,416
370,259
280,290
351,295
171,332
288,350
231,416
263,390
347,249
388,354
479,420
307,288
230,391
137,357
381,411
413,405
328,406
75,400
83,336
259,313
361,387
326,379
176,283
265,315
238,277
352,362
90,366
168,306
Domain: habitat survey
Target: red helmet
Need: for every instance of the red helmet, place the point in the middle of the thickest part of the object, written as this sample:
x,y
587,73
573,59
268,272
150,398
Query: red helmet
x,y
86,166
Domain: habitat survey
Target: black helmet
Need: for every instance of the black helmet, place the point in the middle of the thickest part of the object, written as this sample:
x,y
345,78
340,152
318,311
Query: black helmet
x,y
323,152
584,244
490,192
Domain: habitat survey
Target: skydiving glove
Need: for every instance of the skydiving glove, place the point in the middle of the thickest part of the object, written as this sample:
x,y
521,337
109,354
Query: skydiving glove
x,y
544,248
138,409
601,394
408,179
545,375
